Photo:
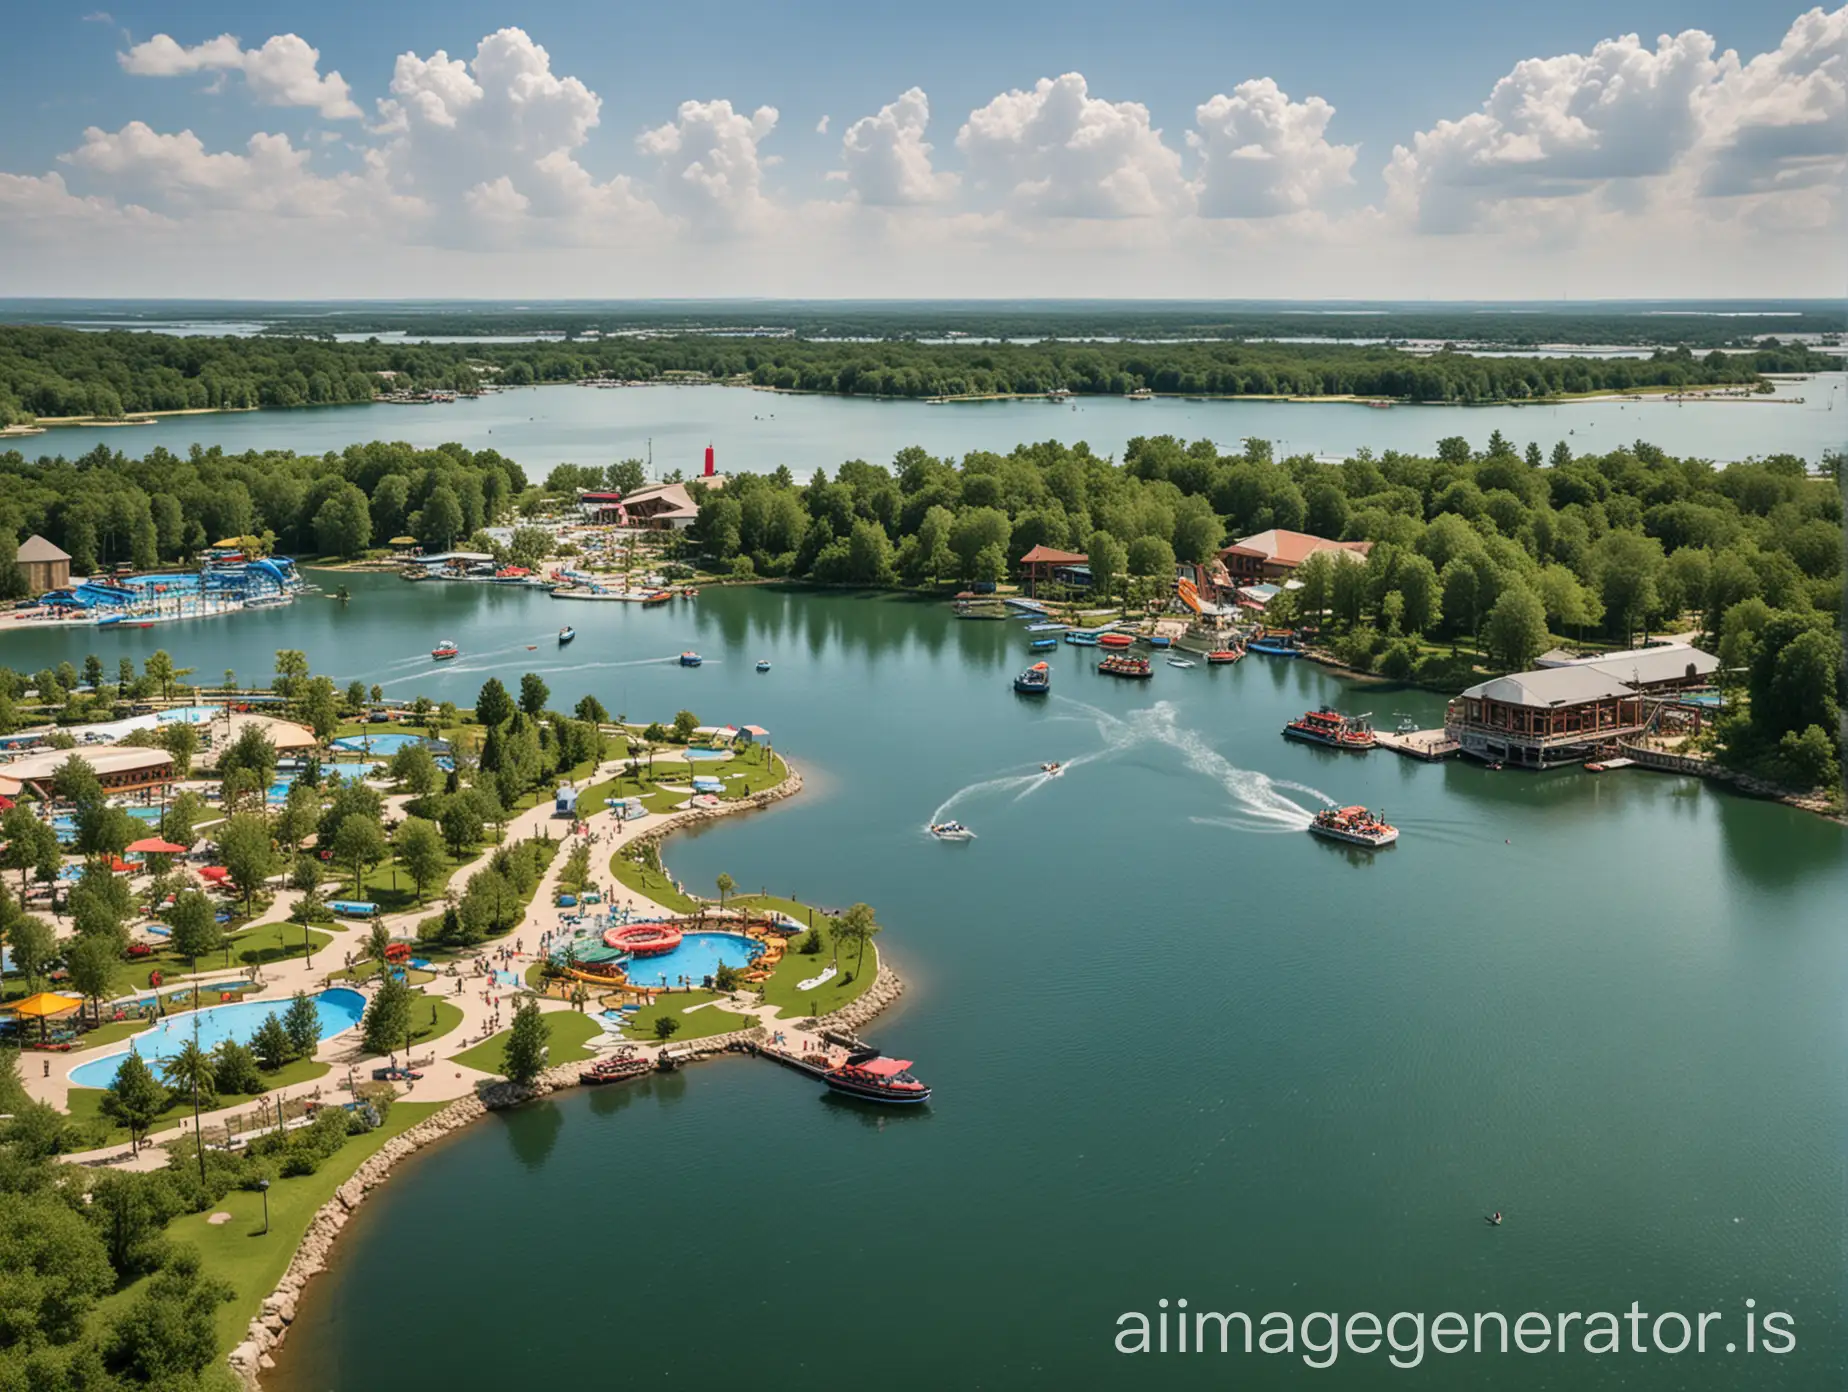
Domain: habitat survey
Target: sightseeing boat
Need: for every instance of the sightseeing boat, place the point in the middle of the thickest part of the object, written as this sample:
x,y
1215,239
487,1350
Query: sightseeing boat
x,y
445,650
1224,657
1331,728
1354,825
615,1070
690,659
1035,681
1118,665
873,1077
1079,639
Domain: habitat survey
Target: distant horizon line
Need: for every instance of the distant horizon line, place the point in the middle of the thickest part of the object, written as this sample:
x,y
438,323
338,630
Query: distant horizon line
x,y
1037,301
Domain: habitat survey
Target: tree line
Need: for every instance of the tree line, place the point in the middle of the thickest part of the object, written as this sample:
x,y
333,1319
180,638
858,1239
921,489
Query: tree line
x,y
64,372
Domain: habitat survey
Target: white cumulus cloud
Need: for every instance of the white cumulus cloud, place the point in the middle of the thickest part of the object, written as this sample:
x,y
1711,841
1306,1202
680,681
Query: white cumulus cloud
x,y
1780,122
708,168
1262,154
887,158
285,71
1057,151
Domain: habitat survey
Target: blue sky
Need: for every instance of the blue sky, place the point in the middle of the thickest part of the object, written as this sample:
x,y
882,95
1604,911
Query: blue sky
x,y
1722,176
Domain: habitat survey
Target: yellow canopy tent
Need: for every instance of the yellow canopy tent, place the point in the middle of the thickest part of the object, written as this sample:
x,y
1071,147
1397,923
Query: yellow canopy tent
x,y
44,1007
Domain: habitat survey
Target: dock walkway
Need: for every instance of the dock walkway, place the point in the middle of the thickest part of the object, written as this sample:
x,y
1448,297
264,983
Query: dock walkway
x,y
1418,744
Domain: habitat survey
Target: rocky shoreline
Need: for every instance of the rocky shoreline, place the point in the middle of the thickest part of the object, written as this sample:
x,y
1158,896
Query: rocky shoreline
x,y
267,1331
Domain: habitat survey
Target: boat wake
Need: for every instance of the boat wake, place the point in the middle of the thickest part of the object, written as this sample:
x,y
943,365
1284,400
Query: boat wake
x,y
1259,803
464,667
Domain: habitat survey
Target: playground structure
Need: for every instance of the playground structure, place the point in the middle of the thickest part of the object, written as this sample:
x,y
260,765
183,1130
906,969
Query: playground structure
x,y
600,957
1189,595
218,586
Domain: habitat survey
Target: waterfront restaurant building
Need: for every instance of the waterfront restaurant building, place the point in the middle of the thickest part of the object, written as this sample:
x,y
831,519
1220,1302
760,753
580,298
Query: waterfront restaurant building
x,y
119,768
1281,551
1560,715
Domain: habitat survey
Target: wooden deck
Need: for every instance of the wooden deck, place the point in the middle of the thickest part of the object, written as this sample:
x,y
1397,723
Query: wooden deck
x,y
1431,745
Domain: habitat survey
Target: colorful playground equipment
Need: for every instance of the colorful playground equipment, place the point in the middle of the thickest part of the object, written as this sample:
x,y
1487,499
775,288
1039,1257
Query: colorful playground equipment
x,y
643,939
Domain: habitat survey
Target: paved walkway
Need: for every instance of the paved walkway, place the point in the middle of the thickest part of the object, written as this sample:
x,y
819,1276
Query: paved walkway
x,y
486,1007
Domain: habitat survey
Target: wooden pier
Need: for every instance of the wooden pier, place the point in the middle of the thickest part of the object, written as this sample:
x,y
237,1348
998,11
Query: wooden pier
x,y
1430,745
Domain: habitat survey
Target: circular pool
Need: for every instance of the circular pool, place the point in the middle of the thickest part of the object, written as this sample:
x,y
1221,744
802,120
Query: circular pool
x,y
698,957
644,939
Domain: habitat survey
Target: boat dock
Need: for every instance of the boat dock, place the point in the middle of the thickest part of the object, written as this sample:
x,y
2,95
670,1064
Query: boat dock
x,y
1430,745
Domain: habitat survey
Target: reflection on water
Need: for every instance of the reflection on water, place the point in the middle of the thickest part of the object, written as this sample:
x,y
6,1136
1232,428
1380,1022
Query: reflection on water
x,y
532,1130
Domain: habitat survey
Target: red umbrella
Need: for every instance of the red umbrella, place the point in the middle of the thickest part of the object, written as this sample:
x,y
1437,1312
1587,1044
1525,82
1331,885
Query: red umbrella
x,y
216,873
153,845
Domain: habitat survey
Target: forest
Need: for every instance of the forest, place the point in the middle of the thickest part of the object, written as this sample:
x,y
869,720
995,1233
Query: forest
x,y
51,372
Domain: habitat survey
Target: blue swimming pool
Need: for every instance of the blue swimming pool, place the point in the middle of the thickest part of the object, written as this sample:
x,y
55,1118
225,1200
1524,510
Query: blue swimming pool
x,y
196,715
339,1010
386,742
698,754
65,825
697,958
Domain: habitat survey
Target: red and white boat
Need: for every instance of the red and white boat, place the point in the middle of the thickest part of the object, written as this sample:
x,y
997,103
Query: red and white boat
x,y
1331,728
445,650
1221,657
1354,825
872,1077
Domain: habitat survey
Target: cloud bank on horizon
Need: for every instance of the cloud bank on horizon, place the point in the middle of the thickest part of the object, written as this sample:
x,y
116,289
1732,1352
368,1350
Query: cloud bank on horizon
x,y
1637,169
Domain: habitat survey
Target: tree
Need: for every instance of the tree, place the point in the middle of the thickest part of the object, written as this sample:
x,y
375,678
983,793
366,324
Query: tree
x,y
167,1334
34,946
534,693
440,521
1516,630
666,1026
378,944
387,1021
1151,556
461,825
28,841
56,1269
234,1069
160,669
91,962
590,710
192,924
248,854
343,526
685,723
726,885
857,926
420,850
291,672
528,1044
414,768
493,706
189,1072
253,751
302,1026
271,1043
359,840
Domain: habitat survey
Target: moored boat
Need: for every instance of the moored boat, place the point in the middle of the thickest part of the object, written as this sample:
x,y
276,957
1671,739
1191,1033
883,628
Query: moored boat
x,y
1354,825
1114,640
690,659
1079,639
615,1070
1273,647
1331,728
1043,644
1223,657
1035,681
871,1076
1118,665
445,650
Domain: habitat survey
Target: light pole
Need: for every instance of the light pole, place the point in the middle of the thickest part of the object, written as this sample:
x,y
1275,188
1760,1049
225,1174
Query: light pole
x,y
263,1185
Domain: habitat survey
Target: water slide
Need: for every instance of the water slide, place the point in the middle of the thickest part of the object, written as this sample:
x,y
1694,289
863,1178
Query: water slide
x,y
1189,595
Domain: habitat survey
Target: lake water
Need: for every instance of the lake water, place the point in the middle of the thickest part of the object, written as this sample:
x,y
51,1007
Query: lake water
x,y
1180,1048
757,431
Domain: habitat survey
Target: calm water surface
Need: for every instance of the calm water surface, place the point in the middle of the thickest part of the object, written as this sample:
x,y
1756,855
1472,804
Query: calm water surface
x,y
1181,1049
753,430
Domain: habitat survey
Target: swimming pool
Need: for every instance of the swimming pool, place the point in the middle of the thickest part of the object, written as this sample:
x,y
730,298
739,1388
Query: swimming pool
x,y
195,715
278,792
697,958
338,1009
698,754
65,825
388,742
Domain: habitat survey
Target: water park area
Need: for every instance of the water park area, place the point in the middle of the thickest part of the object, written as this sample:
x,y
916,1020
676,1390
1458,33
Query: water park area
x,y
338,1010
227,582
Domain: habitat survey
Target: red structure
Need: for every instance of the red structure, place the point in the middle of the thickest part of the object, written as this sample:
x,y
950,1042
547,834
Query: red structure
x,y
710,470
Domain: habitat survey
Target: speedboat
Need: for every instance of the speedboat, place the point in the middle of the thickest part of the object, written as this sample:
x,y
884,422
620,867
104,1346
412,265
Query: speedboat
x,y
1354,825
763,664
566,634
1052,770
445,650
871,1076
1180,662
1035,681
690,659
951,831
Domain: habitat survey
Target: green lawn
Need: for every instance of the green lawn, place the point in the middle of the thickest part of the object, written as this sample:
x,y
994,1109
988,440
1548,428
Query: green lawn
x,y
86,1104
447,1017
701,1024
112,1033
271,942
639,879
775,903
250,1259
780,989
568,1032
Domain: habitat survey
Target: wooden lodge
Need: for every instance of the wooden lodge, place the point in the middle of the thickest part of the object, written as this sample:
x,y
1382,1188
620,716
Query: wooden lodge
x,y
1543,719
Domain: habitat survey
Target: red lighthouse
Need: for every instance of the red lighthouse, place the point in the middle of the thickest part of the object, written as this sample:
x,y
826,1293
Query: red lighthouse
x,y
709,466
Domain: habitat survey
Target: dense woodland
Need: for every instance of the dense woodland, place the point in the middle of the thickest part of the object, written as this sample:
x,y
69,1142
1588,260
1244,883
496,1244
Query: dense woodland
x,y
66,372
1695,323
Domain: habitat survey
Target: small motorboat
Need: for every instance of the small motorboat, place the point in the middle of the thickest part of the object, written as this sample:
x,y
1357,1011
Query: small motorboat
x,y
445,650
1180,662
1354,825
1052,770
1081,640
566,634
763,664
690,659
1221,657
951,831
1043,644
532,647
872,1077
1035,681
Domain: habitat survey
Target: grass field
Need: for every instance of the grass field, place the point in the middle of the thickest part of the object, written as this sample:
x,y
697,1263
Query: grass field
x,y
701,1024
838,990
567,1030
86,1104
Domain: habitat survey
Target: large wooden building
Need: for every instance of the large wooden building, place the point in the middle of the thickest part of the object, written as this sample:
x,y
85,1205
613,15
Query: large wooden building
x,y
1561,715
44,565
